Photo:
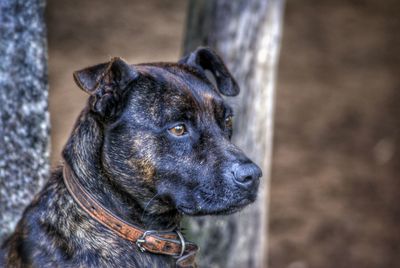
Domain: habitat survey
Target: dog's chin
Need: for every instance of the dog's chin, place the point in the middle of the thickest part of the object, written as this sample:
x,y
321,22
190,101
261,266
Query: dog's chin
x,y
218,209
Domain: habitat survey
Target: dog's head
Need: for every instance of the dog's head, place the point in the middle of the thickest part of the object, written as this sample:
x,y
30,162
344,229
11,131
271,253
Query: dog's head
x,y
166,133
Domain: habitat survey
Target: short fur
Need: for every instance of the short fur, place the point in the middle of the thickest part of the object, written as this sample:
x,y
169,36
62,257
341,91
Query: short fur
x,y
123,152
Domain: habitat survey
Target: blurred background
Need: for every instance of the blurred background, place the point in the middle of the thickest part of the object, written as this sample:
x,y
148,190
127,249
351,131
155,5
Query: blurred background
x,y
334,198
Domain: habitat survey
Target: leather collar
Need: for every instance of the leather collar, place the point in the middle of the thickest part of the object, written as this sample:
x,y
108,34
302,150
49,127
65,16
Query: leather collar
x,y
170,242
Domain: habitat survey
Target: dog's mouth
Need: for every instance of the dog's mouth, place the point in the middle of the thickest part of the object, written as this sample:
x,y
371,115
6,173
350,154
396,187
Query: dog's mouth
x,y
217,209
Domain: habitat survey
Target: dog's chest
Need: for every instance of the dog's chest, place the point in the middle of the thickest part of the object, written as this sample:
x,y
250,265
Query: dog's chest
x,y
55,233
116,252
97,246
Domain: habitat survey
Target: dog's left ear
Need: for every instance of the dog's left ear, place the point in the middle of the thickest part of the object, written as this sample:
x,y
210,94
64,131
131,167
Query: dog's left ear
x,y
206,59
106,83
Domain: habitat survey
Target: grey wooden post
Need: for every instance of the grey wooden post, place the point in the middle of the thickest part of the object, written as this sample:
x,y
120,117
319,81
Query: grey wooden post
x,y
246,33
24,118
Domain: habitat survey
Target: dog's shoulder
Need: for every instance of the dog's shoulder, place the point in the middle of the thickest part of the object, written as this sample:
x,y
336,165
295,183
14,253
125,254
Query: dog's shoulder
x,y
36,239
55,232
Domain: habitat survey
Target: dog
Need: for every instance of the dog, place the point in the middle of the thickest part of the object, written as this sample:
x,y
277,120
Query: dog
x,y
151,145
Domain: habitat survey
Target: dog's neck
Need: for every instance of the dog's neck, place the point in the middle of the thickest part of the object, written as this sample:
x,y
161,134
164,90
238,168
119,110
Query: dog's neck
x,y
83,153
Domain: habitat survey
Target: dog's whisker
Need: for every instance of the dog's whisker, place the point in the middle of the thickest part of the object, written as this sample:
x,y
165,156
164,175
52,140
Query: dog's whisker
x,y
147,205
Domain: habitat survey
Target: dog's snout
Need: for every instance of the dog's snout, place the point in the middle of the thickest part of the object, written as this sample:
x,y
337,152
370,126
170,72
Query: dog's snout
x,y
246,175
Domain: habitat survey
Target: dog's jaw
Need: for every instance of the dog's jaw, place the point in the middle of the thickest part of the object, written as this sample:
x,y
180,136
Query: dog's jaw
x,y
89,169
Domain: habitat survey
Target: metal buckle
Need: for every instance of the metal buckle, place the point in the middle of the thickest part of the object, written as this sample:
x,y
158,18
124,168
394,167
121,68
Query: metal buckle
x,y
142,240
183,243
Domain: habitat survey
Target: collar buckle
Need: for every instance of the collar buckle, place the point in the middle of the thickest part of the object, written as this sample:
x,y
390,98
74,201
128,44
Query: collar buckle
x,y
183,243
142,240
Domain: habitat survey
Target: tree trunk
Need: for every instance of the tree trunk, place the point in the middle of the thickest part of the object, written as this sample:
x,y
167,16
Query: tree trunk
x,y
24,118
246,33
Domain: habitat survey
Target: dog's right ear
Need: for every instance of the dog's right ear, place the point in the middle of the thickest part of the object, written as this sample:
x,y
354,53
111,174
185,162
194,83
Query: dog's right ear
x,y
87,79
106,83
116,71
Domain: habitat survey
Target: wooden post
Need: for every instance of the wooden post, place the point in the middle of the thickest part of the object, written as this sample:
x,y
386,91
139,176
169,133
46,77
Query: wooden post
x,y
24,118
246,33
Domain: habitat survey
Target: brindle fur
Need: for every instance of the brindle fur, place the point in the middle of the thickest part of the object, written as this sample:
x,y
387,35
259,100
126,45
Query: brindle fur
x,y
122,153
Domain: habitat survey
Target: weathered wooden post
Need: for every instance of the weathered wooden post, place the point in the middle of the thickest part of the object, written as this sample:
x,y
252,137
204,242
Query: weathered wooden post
x,y
246,33
24,118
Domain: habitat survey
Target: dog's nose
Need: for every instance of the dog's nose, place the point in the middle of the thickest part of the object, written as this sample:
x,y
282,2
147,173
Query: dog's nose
x,y
246,175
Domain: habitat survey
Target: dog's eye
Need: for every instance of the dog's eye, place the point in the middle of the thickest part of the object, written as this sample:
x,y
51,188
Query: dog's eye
x,y
178,130
229,122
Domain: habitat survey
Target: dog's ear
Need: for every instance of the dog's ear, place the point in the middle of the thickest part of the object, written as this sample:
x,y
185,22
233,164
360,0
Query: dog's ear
x,y
106,83
206,59
116,71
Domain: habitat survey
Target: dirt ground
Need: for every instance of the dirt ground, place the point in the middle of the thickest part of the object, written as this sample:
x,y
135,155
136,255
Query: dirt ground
x,y
334,186
335,174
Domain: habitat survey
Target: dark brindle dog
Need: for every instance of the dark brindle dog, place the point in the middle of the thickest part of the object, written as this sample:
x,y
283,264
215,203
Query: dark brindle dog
x,y
153,144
